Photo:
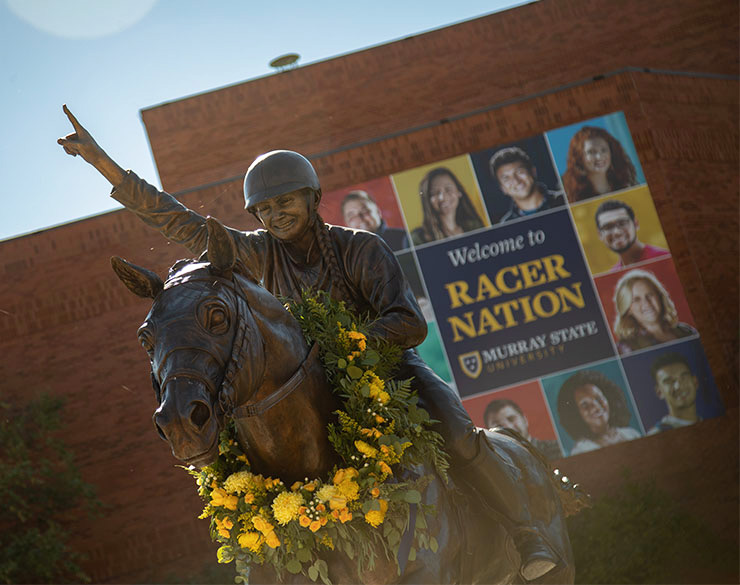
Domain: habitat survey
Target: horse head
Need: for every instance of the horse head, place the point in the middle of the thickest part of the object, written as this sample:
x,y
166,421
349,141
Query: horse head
x,y
209,335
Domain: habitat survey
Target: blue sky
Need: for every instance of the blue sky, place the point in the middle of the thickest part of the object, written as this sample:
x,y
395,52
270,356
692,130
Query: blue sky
x,y
108,59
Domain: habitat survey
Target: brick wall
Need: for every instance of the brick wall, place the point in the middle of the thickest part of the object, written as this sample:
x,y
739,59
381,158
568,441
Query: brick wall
x,y
68,326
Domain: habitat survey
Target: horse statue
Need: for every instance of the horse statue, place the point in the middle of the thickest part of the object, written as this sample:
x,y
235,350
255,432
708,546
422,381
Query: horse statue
x,y
221,346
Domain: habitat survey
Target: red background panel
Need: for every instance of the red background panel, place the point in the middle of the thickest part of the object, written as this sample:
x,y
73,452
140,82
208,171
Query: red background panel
x,y
529,398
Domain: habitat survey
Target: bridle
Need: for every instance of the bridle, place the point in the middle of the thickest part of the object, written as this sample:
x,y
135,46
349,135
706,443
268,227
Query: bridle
x,y
226,406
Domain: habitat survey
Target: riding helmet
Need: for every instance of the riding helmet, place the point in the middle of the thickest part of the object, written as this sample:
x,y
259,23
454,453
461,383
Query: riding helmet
x,y
275,173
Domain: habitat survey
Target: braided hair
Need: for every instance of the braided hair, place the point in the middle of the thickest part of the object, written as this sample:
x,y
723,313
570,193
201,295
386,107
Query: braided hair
x,y
327,251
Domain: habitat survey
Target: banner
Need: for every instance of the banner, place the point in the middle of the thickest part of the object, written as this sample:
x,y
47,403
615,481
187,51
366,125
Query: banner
x,y
552,300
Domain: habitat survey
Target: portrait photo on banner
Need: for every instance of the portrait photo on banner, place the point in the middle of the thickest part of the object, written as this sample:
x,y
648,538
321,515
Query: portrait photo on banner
x,y
521,408
645,306
595,157
440,200
518,179
620,230
371,206
592,407
673,386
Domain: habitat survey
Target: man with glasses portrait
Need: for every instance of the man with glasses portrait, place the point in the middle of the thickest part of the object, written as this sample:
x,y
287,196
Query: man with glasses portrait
x,y
618,227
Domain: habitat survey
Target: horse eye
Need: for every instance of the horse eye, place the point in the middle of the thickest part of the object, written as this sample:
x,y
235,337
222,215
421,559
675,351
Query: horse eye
x,y
147,342
215,317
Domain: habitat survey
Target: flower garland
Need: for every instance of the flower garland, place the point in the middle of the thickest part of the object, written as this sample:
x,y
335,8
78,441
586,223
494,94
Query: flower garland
x,y
362,506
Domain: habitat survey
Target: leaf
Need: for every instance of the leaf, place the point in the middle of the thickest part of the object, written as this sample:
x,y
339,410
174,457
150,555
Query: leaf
x,y
303,555
313,573
354,372
349,549
293,566
412,554
323,571
224,554
412,497
370,505
371,358
341,363
433,544
394,537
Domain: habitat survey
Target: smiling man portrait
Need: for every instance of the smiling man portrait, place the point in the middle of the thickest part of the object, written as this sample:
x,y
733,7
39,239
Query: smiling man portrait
x,y
618,227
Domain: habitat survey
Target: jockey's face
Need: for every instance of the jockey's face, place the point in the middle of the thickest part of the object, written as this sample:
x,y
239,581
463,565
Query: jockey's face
x,y
288,217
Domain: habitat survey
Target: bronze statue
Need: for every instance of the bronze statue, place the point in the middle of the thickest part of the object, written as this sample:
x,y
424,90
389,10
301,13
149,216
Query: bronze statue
x,y
296,251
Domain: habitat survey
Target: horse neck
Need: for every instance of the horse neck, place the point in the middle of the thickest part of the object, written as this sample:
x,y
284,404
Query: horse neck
x,y
289,440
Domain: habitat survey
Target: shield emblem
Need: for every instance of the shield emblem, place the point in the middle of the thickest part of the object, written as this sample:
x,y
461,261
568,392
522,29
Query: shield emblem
x,y
471,364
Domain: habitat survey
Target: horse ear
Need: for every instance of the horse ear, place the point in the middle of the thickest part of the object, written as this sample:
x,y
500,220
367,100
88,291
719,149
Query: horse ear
x,y
221,248
138,280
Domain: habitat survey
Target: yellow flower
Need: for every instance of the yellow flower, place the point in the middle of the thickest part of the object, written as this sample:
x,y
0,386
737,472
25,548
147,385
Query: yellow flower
x,y
375,492
240,482
345,474
314,526
251,540
347,488
385,468
366,449
326,493
304,521
272,540
371,432
337,502
220,498
345,515
262,525
223,526
285,507
249,498
376,517
327,542
383,397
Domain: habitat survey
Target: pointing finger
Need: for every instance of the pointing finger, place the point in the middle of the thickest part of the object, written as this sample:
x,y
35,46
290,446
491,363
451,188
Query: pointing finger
x,y
72,118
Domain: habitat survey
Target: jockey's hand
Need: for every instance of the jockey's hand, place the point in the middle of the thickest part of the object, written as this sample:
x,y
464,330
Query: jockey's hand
x,y
81,142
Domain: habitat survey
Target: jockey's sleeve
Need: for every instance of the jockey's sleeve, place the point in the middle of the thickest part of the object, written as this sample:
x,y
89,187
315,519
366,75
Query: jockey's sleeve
x,y
176,222
380,280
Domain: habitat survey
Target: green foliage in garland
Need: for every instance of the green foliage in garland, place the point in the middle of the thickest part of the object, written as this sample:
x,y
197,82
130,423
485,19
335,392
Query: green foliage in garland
x,y
362,507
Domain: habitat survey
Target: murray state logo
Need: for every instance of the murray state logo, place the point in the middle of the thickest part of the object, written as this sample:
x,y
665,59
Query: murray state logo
x,y
471,364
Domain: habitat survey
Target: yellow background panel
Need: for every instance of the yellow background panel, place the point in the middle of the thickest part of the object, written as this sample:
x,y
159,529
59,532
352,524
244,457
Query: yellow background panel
x,y
407,186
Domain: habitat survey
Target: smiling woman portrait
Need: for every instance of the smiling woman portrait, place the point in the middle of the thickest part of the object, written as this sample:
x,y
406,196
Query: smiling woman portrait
x,y
597,164
646,314
447,208
593,411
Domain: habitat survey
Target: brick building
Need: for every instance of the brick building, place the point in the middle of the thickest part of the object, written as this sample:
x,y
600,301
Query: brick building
x,y
672,67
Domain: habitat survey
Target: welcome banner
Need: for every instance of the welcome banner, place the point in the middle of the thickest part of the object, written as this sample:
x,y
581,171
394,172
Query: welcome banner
x,y
551,296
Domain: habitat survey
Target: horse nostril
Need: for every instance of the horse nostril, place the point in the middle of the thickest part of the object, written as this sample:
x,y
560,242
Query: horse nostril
x,y
200,414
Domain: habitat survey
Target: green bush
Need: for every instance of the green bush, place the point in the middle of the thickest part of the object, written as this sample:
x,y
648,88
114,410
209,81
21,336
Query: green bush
x,y
642,535
39,488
